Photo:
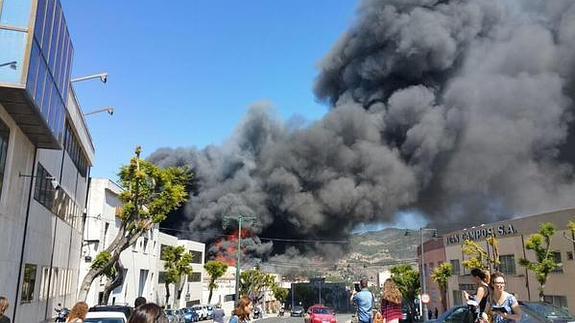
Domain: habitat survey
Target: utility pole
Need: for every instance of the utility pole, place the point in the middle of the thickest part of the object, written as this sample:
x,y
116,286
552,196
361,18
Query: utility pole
x,y
240,218
424,287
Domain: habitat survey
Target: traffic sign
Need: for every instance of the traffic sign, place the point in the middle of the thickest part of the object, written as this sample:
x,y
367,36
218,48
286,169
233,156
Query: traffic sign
x,y
425,298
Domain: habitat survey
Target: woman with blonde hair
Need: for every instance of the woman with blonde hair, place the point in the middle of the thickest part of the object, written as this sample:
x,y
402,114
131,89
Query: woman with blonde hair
x,y
391,302
243,311
78,313
3,307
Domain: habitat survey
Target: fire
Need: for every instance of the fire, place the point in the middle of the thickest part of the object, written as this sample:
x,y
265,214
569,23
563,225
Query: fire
x,y
225,249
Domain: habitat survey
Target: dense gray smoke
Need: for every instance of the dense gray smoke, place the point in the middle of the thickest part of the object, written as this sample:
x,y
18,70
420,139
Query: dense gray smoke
x,y
456,108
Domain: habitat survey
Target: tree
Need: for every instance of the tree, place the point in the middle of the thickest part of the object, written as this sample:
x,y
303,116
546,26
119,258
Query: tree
x,y
540,243
178,264
479,257
407,280
441,276
254,282
280,293
215,269
150,193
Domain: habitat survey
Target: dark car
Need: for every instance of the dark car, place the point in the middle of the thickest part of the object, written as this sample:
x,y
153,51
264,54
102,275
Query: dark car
x,y
127,310
297,311
531,312
190,315
544,312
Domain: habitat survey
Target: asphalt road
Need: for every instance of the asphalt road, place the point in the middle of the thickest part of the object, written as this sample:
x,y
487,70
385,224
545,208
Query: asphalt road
x,y
341,318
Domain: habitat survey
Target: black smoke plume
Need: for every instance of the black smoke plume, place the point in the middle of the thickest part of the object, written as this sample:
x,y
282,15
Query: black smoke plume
x,y
460,109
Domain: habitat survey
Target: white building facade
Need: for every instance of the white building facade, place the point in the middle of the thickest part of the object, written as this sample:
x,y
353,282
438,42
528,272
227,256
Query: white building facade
x,y
45,157
144,268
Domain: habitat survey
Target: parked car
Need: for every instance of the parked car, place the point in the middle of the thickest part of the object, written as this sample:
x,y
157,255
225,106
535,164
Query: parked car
x,y
105,317
202,311
297,311
190,315
210,310
173,316
126,310
320,314
531,312
544,312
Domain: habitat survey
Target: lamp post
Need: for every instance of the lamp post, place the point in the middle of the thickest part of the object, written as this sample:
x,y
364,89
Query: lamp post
x,y
423,282
102,76
12,64
109,110
240,218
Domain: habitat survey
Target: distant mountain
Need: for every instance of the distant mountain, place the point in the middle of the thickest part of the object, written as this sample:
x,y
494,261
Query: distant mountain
x,y
387,246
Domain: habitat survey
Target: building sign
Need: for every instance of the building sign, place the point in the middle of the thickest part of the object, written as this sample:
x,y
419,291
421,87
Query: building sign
x,y
481,233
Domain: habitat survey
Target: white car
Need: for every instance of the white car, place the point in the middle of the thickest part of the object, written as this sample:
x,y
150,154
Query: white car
x,y
106,317
202,311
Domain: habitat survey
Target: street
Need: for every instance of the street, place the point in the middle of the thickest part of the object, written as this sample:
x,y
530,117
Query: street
x,y
341,318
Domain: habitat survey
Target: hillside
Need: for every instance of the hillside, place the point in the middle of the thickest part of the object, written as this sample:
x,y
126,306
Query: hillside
x,y
384,247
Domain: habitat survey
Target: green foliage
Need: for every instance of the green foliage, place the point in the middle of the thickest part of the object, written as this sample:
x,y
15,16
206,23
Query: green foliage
x,y
178,262
407,280
100,262
150,192
215,269
571,226
254,282
478,257
540,244
441,275
280,293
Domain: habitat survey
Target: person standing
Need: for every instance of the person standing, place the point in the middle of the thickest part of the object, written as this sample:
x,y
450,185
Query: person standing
x,y
436,313
219,314
139,301
479,300
504,306
3,307
243,311
391,302
148,313
364,302
78,313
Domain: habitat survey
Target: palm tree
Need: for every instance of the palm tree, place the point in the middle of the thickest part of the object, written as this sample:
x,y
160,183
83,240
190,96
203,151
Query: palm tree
x,y
215,269
441,276
178,262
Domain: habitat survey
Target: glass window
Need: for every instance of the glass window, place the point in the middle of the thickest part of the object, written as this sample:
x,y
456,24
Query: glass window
x,y
507,264
557,257
197,257
4,136
456,268
16,13
39,92
40,19
13,44
161,277
29,283
163,252
55,37
195,277
33,70
44,192
47,31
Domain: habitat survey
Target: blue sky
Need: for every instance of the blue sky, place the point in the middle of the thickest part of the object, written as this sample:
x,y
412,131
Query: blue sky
x,y
184,72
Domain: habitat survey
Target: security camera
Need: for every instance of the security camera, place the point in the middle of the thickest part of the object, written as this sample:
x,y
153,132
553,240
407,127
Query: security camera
x,y
110,111
104,77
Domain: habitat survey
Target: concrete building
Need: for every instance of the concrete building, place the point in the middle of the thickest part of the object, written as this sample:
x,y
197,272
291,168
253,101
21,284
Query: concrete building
x,y
512,236
433,256
45,157
225,293
144,265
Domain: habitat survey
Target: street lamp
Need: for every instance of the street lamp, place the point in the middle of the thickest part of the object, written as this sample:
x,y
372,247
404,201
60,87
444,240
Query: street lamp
x,y
102,76
423,282
12,64
240,218
109,110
